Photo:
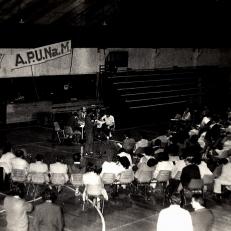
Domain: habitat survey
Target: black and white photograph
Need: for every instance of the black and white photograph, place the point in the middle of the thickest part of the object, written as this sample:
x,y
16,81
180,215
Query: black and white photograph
x,y
115,115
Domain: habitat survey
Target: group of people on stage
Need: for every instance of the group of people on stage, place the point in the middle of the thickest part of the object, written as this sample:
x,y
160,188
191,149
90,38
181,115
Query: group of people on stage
x,y
88,124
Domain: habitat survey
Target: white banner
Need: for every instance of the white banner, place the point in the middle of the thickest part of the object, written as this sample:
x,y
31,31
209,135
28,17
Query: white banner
x,y
41,54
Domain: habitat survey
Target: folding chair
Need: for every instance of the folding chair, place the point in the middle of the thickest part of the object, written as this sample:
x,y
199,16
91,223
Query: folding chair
x,y
76,179
59,132
178,175
19,175
144,181
163,179
95,192
126,179
108,180
37,179
57,180
208,180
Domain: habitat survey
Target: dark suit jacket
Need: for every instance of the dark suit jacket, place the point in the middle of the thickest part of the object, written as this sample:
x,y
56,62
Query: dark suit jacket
x,y
189,172
48,217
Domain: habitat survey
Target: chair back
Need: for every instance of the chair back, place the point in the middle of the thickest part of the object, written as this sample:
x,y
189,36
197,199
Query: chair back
x,y
57,178
163,176
94,190
56,126
208,179
145,177
38,178
76,179
108,178
196,184
178,175
18,175
126,177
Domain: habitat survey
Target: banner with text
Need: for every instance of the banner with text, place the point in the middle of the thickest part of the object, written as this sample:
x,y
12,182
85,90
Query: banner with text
x,y
42,54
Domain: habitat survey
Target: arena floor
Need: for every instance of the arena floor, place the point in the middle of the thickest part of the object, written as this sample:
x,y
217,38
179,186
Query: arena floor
x,y
122,213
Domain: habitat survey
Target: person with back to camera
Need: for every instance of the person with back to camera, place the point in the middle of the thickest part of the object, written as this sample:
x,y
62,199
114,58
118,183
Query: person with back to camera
x,y
48,216
174,217
16,209
202,218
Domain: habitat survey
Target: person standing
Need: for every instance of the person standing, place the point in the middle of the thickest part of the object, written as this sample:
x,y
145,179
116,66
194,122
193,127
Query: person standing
x,y
89,132
174,217
48,216
16,209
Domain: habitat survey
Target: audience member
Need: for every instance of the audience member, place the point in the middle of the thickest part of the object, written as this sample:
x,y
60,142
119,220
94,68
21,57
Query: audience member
x,y
16,209
59,167
224,178
202,218
39,167
174,217
190,171
163,164
48,216
19,162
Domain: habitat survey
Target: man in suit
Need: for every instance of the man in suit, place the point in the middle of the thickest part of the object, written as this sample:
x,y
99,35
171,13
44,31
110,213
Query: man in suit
x,y
48,216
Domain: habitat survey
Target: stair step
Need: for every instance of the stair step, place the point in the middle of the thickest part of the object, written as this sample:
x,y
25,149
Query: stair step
x,y
160,75
159,86
160,98
158,105
159,92
153,81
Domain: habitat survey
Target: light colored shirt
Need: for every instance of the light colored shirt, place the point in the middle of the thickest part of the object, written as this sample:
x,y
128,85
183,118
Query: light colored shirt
x,y
162,165
141,144
109,121
16,213
204,170
5,161
178,168
174,218
91,178
112,167
38,166
59,168
19,163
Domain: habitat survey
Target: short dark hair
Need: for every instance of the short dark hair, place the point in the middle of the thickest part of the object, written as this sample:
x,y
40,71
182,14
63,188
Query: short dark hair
x,y
175,199
124,161
151,162
18,189
39,157
76,157
49,194
198,198
19,153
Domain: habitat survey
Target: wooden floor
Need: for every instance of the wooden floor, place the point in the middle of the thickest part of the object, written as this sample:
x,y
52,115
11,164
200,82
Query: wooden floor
x,y
120,214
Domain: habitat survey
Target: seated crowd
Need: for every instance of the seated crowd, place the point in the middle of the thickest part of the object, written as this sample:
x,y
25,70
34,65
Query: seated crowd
x,y
192,149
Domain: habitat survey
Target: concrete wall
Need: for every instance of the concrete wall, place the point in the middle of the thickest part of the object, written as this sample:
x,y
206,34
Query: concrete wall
x,y
87,60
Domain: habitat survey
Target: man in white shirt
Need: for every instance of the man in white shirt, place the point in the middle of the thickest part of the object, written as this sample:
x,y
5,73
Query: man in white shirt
x,y
59,167
109,124
224,178
174,217
18,162
39,167
123,153
5,160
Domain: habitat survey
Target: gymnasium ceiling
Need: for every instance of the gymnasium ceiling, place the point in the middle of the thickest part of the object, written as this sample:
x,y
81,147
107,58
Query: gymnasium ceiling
x,y
105,19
